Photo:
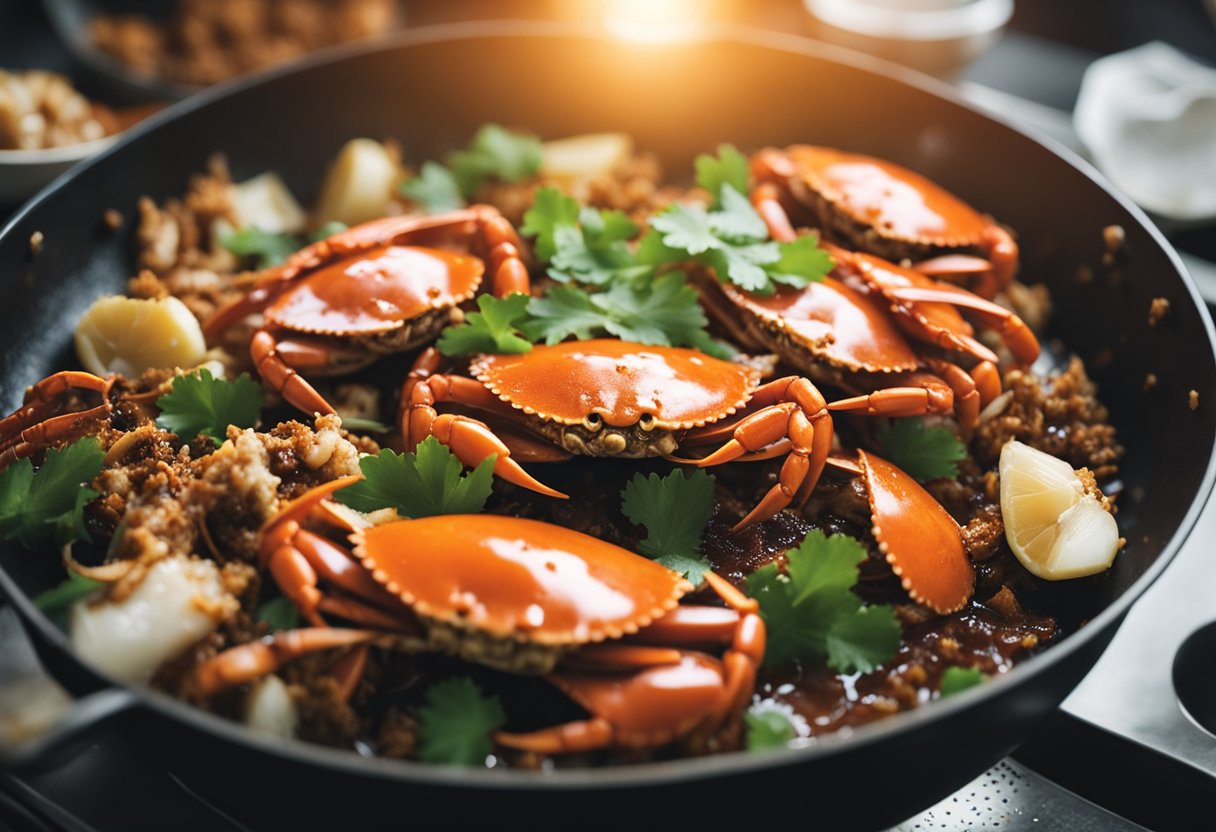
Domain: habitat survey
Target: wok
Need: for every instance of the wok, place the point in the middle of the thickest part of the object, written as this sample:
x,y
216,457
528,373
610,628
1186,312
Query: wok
x,y
431,89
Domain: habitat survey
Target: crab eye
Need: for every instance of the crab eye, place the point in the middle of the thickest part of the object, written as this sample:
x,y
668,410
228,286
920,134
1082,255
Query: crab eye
x,y
593,421
646,422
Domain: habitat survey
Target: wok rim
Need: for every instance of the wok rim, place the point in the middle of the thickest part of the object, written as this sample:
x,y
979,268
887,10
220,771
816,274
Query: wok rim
x,y
651,773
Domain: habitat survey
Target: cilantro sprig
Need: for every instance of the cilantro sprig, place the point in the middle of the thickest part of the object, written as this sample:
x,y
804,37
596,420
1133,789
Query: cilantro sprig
x,y
494,329
958,679
582,244
57,600
493,153
428,482
769,725
924,454
270,248
812,614
674,509
47,506
456,722
199,403
279,614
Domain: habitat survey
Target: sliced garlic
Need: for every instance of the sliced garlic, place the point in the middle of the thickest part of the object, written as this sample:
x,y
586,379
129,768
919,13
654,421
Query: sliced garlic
x,y
1056,528
579,158
179,601
130,335
270,708
359,184
265,202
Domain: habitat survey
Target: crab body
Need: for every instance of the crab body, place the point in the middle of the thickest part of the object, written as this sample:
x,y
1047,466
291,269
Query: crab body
x,y
386,286
878,206
615,398
515,594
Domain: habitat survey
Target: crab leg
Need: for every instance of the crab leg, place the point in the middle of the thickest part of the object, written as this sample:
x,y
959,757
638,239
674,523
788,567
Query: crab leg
x,y
21,434
276,372
1017,336
246,662
788,407
510,272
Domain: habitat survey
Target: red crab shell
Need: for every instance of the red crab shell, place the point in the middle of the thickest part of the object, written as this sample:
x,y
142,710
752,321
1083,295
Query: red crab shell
x,y
898,203
919,538
376,290
513,577
620,381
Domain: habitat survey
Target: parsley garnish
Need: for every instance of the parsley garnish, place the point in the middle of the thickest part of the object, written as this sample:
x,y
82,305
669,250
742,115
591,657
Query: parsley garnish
x,y
495,153
582,244
674,509
494,329
201,403
956,679
58,600
329,229
922,454
47,505
266,247
812,613
729,167
456,722
434,188
279,614
768,727
428,482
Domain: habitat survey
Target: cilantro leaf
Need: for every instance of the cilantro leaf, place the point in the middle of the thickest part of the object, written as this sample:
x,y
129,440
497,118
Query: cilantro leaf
x,y
45,507
664,312
674,509
686,228
59,599
956,679
434,188
456,722
729,167
812,613
493,329
802,261
428,482
768,727
265,247
922,454
201,403
497,153
279,614
551,209
327,230
736,219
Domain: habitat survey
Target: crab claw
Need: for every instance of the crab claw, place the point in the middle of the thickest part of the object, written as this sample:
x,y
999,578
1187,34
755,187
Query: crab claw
x,y
246,662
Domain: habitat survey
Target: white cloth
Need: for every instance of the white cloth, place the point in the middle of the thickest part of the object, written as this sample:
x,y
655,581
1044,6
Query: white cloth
x,y
1148,118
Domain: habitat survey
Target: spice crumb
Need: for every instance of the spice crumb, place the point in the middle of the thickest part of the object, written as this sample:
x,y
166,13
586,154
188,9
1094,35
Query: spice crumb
x,y
36,242
1150,381
1115,239
1193,399
1157,310
112,218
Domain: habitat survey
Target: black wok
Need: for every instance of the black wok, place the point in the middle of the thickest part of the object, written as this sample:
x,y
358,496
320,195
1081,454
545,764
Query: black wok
x,y
431,89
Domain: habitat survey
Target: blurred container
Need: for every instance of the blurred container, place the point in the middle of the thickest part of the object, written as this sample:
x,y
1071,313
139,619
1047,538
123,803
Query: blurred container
x,y
940,37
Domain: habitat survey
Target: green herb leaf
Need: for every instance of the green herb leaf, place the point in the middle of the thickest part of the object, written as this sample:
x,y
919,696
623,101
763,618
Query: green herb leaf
x,y
365,425
201,403
686,228
768,727
664,312
265,247
494,329
279,614
47,506
956,679
674,509
729,167
551,209
425,483
922,454
736,219
434,188
802,261
582,245
327,230
456,722
812,613
58,600
495,153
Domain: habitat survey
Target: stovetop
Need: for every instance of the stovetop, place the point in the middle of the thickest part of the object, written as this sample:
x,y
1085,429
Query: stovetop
x,y
1120,751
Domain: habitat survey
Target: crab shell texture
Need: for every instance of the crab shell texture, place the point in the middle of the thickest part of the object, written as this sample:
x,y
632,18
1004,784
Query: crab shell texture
x,y
829,322
643,394
877,205
514,583
919,538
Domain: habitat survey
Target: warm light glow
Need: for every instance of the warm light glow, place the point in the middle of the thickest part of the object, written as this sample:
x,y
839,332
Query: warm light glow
x,y
655,21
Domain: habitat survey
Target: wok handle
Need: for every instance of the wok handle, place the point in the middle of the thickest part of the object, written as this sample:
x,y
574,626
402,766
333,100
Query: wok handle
x,y
41,726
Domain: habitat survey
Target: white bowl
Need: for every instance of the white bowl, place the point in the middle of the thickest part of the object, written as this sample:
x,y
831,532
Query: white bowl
x,y
24,172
